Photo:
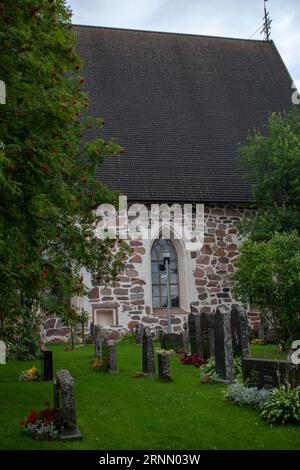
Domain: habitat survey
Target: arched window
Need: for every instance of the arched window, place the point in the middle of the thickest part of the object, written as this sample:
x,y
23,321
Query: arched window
x,y
159,278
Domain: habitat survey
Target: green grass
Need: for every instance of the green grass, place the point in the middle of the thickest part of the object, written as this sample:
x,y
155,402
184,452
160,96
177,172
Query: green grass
x,y
116,411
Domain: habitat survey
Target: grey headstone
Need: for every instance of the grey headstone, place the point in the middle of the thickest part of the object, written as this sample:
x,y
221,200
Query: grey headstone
x,y
2,352
66,391
113,359
99,336
223,344
240,331
139,334
163,366
186,343
148,353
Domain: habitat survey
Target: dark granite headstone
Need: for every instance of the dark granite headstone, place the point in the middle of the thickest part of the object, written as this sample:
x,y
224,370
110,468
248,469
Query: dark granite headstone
x,y
240,331
148,353
194,324
270,373
164,366
109,356
65,400
171,341
223,345
92,329
98,338
47,364
211,334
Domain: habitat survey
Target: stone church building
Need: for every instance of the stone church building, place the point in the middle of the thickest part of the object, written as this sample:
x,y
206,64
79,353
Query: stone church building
x,y
180,105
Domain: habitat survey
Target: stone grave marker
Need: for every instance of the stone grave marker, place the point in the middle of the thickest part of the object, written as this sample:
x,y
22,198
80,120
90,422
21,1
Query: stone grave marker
x,y
109,356
194,324
64,399
240,331
211,334
139,334
271,373
164,367
2,352
47,364
186,343
98,338
92,326
148,353
223,344
171,341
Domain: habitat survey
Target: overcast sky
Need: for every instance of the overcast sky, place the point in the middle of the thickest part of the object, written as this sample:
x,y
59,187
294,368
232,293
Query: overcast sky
x,y
231,18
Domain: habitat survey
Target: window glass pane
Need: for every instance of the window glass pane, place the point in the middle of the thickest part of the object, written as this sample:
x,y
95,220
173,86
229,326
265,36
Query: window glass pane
x,y
159,278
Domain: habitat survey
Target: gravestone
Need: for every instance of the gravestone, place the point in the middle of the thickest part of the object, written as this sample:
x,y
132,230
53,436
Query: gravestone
x,y
211,334
148,353
194,324
92,326
186,343
139,334
171,341
47,364
109,356
204,333
240,331
2,352
163,367
270,373
64,399
98,338
223,345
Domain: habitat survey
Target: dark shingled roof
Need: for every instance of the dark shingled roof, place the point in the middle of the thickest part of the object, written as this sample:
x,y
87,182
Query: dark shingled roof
x,y
180,104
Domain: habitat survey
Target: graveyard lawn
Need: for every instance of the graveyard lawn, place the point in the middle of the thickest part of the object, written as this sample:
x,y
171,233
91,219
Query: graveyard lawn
x,y
117,411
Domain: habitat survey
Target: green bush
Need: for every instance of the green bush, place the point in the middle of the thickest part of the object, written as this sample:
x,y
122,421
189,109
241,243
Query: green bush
x,y
128,338
283,406
209,368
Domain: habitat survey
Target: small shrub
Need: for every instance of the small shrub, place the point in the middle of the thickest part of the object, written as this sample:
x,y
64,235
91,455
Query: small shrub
x,y
241,395
283,406
43,425
257,341
128,338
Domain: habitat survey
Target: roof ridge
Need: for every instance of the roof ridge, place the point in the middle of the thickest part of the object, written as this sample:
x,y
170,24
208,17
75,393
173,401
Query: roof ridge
x,y
169,32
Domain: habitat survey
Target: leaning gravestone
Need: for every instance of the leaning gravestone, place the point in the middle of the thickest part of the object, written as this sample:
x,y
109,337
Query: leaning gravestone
x,y
240,331
223,345
2,352
148,353
47,364
64,399
164,367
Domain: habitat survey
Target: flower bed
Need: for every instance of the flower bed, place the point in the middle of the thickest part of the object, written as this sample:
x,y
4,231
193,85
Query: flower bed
x,y
192,359
43,425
